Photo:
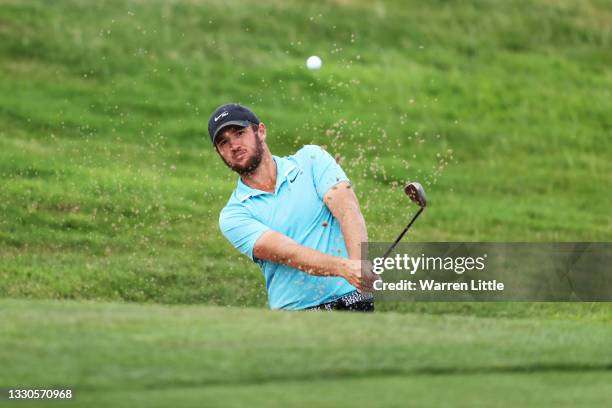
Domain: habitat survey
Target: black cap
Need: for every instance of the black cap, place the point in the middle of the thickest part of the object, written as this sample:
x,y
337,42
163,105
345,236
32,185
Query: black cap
x,y
228,115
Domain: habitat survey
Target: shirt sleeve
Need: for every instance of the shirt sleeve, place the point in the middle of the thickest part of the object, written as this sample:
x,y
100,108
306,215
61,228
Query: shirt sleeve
x,y
326,173
241,229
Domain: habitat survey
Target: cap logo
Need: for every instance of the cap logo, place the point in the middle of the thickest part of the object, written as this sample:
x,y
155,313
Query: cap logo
x,y
224,114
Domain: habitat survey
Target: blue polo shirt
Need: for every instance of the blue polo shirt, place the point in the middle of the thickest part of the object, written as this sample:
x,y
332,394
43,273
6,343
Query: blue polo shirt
x,y
295,209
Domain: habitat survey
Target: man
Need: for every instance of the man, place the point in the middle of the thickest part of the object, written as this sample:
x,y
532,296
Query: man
x,y
297,217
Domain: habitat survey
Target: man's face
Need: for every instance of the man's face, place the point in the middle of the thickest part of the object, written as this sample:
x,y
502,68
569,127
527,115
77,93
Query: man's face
x,y
241,149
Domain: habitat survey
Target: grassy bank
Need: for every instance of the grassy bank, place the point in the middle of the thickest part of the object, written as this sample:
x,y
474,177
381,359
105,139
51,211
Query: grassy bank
x,y
110,189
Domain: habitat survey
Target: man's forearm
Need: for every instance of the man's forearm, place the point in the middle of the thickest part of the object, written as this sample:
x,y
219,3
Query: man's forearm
x,y
354,232
278,248
344,205
315,262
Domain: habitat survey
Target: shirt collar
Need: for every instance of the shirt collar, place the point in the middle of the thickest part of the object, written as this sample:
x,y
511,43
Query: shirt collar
x,y
285,169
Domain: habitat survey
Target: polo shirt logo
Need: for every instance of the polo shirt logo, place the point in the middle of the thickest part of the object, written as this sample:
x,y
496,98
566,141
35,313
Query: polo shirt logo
x,y
289,170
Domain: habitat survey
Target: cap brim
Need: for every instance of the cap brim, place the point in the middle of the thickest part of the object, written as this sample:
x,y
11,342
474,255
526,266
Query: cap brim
x,y
242,123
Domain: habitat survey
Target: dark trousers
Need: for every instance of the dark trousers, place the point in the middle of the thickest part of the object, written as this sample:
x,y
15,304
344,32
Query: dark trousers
x,y
351,302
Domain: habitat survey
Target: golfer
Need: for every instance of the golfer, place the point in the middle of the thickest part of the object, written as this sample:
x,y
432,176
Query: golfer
x,y
297,217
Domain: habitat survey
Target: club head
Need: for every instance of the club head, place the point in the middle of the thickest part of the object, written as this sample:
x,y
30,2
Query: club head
x,y
416,193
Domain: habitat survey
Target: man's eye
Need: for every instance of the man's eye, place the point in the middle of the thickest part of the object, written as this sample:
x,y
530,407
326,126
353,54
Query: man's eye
x,y
222,142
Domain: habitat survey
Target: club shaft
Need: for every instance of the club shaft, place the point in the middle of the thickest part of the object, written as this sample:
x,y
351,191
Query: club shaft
x,y
403,233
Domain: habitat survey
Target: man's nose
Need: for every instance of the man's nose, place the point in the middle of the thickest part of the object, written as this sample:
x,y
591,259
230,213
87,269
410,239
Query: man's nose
x,y
235,145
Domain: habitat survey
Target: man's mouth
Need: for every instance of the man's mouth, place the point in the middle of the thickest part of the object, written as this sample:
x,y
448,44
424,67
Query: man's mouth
x,y
239,156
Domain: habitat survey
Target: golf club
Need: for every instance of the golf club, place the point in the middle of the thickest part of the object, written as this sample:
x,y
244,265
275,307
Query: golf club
x,y
415,191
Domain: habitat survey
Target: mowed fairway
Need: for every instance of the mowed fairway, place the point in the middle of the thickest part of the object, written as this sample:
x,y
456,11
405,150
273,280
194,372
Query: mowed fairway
x,y
149,355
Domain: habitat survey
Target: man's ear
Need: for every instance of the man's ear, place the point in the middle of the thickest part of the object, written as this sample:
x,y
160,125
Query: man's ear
x,y
262,131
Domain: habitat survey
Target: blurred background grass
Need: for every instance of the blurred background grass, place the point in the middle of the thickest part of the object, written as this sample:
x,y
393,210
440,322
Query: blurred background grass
x,y
111,190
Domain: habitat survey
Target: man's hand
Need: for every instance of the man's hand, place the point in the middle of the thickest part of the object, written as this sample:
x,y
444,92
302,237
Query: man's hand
x,y
359,274
352,273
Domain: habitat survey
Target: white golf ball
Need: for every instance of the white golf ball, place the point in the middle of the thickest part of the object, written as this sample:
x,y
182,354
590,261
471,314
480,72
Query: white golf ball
x,y
313,62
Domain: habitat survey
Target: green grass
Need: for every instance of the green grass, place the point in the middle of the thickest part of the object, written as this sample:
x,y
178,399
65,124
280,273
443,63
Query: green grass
x,y
473,390
118,354
111,189
110,192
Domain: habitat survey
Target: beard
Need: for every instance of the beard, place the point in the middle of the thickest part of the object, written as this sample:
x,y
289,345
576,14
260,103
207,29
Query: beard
x,y
252,163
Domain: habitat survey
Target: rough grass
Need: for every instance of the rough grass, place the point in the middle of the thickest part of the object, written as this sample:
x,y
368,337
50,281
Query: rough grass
x,y
110,189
